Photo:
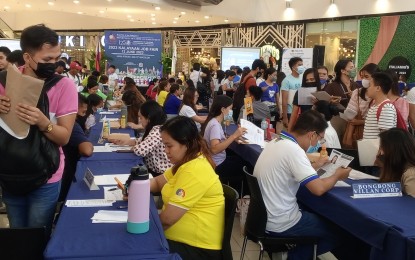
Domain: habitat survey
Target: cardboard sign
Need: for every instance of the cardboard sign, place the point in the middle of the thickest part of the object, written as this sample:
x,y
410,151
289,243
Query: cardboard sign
x,y
377,190
89,180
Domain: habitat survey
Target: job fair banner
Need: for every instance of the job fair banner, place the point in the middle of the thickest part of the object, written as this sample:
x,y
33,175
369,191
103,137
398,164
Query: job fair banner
x,y
135,54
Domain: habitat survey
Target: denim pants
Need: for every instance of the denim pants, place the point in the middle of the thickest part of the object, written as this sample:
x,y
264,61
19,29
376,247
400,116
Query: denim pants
x,y
311,225
35,209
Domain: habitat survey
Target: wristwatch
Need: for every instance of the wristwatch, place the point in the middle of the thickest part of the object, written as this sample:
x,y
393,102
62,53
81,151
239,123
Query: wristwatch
x,y
49,128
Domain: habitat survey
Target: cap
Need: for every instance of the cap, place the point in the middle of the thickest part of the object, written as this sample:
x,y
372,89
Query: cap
x,y
61,63
75,65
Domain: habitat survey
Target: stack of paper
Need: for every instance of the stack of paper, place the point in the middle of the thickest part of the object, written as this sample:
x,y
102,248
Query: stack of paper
x,y
89,203
110,216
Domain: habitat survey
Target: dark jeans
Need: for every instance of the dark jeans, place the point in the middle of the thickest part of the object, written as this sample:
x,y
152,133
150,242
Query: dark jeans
x,y
230,172
188,252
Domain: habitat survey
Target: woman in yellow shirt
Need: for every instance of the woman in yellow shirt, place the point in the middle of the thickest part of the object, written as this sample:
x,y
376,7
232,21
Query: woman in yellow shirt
x,y
193,201
162,92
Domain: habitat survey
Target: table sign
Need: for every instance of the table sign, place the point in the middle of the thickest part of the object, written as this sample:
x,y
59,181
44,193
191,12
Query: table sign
x,y
377,190
89,180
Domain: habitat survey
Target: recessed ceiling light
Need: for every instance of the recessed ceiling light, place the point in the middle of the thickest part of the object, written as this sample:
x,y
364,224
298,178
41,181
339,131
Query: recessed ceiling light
x,y
28,6
153,19
51,3
76,2
183,13
176,18
197,21
109,0
153,23
206,17
79,12
7,7
128,16
226,20
101,11
174,21
153,15
131,20
157,8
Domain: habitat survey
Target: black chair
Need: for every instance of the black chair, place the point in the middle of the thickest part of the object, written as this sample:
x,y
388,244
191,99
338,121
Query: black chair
x,y
22,243
256,221
231,197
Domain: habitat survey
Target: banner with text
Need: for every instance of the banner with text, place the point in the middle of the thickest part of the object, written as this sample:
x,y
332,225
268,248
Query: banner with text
x,y
135,54
306,54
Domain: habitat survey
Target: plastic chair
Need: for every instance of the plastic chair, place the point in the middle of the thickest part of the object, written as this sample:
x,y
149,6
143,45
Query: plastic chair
x,y
22,243
256,221
231,197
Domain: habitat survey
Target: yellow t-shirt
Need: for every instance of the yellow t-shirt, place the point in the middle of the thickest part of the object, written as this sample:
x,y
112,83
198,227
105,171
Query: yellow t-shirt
x,y
196,188
162,97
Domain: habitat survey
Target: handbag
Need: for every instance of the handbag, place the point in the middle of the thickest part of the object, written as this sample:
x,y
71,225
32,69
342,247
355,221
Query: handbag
x,y
353,132
26,164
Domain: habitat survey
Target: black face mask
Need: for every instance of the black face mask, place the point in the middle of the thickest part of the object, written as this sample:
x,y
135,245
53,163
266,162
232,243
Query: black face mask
x,y
310,84
44,70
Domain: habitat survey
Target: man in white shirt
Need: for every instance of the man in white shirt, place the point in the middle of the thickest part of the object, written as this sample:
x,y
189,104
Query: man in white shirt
x,y
112,77
281,168
289,86
379,86
73,74
196,75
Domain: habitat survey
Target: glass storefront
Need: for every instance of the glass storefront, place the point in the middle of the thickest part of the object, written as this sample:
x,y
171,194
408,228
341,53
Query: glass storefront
x,y
339,38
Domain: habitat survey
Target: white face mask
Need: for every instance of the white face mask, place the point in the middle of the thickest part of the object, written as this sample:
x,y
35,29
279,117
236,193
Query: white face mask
x,y
365,83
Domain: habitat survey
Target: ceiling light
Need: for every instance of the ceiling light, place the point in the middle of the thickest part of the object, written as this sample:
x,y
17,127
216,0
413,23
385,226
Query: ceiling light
x,y
7,7
76,2
226,20
206,17
197,21
128,16
79,12
174,21
152,15
153,23
153,19
28,6
51,3
176,18
131,20
157,8
101,11
109,0
183,13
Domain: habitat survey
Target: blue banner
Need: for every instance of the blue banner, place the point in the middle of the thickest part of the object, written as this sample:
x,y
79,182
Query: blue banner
x,y
135,54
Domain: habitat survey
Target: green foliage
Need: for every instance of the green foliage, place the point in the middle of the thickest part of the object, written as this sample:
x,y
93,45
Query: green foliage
x,y
369,30
166,60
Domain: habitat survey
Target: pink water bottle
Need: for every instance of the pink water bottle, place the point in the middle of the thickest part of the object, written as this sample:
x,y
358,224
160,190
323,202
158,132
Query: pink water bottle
x,y
139,201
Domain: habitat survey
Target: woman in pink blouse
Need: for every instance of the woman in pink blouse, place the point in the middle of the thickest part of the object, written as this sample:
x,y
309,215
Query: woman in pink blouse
x,y
150,146
401,104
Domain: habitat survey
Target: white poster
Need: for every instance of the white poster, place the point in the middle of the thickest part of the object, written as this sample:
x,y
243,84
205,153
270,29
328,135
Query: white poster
x,y
304,53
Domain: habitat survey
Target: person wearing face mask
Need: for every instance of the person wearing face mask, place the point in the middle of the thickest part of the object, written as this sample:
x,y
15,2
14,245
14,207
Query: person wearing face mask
x,y
310,80
281,168
323,74
342,87
270,88
41,51
228,165
289,86
396,159
358,105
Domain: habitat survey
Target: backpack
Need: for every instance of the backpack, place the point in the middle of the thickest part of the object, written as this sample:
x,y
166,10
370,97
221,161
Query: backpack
x,y
27,164
400,122
239,95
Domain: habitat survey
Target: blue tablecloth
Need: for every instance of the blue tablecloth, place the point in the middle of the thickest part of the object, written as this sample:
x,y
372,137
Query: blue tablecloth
x,y
387,224
75,237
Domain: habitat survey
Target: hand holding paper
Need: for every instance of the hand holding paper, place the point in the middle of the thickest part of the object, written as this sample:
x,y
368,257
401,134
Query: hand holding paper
x,y
4,104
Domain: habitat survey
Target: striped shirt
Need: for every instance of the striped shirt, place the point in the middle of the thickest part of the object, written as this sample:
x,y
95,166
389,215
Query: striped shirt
x,y
373,126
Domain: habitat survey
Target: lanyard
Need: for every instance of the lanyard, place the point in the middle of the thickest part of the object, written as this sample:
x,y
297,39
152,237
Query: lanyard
x,y
286,136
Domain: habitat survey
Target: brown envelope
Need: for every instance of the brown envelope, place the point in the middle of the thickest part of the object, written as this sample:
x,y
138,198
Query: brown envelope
x,y
20,89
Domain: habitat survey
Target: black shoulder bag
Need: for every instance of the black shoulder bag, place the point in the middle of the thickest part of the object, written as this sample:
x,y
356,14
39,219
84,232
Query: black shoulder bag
x,y
26,164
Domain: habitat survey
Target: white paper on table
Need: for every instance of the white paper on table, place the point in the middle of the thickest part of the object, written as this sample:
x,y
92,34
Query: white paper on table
x,y
110,216
106,113
109,179
358,175
102,149
254,134
367,149
305,97
89,203
341,184
336,160
108,119
111,194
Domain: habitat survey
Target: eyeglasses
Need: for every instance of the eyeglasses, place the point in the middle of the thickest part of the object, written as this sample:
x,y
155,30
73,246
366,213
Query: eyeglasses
x,y
321,140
